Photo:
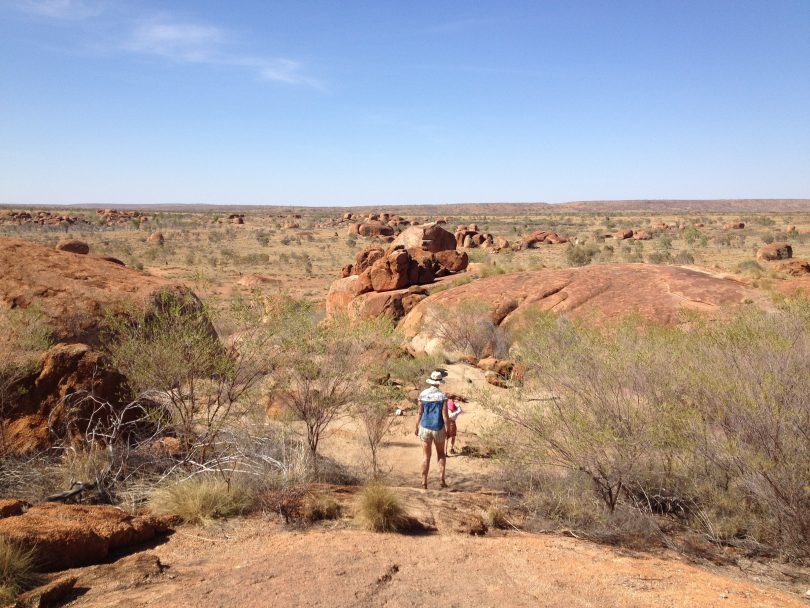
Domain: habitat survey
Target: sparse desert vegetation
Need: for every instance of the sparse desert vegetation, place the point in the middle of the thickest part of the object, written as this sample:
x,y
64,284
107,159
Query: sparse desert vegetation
x,y
634,378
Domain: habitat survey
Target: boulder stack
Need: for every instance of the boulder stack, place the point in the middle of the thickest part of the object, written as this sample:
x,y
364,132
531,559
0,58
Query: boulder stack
x,y
418,256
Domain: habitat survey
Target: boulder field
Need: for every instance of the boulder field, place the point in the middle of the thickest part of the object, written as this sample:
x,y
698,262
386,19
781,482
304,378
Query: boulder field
x,y
72,294
595,294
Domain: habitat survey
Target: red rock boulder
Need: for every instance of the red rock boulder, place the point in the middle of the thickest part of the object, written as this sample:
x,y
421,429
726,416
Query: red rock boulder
x,y
375,228
73,246
453,260
429,237
775,251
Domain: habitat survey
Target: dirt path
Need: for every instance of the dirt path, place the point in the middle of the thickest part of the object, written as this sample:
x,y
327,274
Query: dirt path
x,y
257,562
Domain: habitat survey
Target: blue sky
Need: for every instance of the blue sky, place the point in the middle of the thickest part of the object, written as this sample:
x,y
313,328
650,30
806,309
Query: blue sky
x,y
341,103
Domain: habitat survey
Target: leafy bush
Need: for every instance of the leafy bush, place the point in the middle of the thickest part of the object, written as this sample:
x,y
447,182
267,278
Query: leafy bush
x,y
751,267
200,499
581,255
17,570
380,509
707,424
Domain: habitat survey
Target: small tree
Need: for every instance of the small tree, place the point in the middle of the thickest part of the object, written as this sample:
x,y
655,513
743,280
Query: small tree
x,y
375,413
323,366
172,355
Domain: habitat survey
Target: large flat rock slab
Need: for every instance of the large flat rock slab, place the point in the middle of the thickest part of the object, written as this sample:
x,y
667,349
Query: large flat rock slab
x,y
596,294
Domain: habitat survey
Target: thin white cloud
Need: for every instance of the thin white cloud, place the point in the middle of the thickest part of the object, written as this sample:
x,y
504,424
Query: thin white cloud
x,y
62,9
207,44
172,40
177,41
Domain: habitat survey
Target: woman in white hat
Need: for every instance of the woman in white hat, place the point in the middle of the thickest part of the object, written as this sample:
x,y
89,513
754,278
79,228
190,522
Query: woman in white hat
x,y
431,424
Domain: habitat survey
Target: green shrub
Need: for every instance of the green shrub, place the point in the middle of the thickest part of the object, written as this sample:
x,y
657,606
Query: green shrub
x,y
200,499
380,509
581,255
751,267
706,424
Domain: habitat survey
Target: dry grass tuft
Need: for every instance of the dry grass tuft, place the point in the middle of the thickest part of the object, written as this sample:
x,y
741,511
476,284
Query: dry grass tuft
x,y
380,509
495,517
317,507
16,570
200,499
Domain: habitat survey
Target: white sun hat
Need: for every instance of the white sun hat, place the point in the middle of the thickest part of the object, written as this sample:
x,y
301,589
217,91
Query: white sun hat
x,y
436,378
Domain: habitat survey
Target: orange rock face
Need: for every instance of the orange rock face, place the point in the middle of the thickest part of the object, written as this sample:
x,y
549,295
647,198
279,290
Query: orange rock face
x,y
72,293
595,294
67,536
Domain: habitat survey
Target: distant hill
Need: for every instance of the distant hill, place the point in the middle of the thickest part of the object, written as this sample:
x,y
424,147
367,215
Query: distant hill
x,y
499,208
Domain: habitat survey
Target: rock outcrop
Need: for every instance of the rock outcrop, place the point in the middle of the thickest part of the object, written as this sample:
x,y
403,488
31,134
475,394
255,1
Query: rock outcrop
x,y
430,237
418,256
67,536
775,251
115,217
72,294
374,228
795,268
40,218
73,246
542,237
595,294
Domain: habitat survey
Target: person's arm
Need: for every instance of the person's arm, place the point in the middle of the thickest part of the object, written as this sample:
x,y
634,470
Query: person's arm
x,y
445,415
418,418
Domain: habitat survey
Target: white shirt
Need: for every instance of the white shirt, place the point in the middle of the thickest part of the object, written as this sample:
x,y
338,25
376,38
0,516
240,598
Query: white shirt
x,y
432,394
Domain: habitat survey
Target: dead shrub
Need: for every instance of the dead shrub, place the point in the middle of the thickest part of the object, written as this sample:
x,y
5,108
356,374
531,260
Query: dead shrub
x,y
380,509
468,328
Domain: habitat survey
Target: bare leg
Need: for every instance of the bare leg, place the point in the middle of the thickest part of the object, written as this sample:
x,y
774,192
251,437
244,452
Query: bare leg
x,y
426,450
440,455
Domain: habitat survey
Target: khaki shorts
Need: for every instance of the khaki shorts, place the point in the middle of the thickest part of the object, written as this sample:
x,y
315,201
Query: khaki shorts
x,y
428,436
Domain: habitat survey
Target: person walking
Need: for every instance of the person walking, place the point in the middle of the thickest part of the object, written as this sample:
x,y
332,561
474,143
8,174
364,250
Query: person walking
x,y
453,411
431,423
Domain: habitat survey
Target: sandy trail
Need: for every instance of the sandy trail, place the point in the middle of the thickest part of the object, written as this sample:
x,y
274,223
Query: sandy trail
x,y
258,562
